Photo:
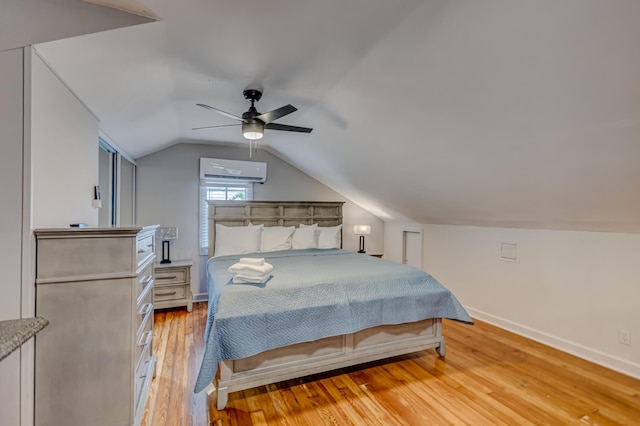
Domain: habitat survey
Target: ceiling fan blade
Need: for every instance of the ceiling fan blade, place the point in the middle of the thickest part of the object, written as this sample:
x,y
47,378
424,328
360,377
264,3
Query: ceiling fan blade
x,y
215,127
270,116
276,126
219,111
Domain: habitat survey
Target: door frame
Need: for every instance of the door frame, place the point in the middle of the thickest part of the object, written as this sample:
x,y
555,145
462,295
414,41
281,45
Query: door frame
x,y
405,231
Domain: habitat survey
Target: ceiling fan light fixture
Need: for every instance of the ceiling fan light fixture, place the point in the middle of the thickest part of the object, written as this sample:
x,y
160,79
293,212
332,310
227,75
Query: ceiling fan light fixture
x,y
252,130
253,122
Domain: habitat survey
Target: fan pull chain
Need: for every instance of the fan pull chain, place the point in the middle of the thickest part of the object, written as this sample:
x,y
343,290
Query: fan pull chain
x,y
253,145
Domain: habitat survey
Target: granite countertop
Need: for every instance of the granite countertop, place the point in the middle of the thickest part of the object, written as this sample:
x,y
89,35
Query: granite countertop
x,y
13,333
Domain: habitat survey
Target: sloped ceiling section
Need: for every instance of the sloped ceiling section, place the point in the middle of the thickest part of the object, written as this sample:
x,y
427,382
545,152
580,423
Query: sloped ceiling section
x,y
489,113
27,22
515,114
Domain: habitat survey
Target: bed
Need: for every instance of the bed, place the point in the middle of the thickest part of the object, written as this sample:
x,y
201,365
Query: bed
x,y
321,309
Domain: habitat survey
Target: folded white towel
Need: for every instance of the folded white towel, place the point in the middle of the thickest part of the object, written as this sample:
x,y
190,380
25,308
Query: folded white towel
x,y
250,279
252,261
252,270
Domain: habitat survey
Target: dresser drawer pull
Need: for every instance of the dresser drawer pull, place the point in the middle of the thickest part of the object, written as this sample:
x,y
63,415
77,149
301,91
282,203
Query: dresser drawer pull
x,y
140,251
145,309
145,370
146,336
167,294
146,279
171,277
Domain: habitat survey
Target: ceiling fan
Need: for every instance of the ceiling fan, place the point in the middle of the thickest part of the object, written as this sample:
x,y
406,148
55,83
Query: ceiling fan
x,y
253,122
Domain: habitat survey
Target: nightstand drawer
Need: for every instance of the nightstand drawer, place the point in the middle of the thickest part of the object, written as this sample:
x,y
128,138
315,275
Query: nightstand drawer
x,y
172,283
169,292
170,276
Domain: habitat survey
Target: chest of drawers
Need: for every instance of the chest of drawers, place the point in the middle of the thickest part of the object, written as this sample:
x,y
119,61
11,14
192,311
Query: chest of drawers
x,y
95,363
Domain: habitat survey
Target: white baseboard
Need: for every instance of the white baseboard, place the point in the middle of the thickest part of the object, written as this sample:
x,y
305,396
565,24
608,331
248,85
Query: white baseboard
x,y
621,365
200,297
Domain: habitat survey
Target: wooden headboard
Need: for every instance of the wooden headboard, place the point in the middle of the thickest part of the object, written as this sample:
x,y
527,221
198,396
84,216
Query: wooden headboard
x,y
271,213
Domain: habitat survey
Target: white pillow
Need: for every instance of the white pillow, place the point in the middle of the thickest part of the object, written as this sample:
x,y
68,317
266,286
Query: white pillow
x,y
305,237
237,239
330,237
276,238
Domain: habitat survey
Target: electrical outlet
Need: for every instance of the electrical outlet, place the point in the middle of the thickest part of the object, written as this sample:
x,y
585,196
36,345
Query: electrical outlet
x,y
624,337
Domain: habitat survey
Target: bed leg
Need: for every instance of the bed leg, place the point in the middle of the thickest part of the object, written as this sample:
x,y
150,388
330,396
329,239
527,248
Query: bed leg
x,y
441,350
222,398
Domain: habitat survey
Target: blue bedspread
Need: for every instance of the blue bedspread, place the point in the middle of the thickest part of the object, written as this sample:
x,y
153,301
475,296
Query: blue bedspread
x,y
313,294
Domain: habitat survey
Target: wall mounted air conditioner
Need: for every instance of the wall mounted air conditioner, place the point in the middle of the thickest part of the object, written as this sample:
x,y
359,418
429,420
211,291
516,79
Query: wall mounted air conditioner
x,y
217,168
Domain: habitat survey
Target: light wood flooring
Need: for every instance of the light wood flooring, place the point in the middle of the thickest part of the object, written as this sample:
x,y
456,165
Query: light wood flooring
x,y
489,377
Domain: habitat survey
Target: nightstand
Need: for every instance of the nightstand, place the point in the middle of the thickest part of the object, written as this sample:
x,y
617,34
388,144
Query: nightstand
x,y
173,285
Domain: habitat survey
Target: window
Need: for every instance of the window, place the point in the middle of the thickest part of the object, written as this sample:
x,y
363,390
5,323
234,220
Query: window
x,y
220,190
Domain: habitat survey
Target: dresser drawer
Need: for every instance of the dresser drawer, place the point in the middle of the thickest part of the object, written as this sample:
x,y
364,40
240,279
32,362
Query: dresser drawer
x,y
145,278
144,337
143,369
145,305
144,247
170,276
170,292
141,374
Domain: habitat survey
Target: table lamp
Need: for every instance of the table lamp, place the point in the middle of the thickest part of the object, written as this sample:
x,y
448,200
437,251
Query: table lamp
x,y
362,230
166,234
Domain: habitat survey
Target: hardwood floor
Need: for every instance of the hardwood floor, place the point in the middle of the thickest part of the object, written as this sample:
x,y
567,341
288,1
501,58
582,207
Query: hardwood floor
x,y
489,377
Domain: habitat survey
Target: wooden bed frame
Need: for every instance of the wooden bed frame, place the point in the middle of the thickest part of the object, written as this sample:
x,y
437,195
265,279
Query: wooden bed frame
x,y
326,354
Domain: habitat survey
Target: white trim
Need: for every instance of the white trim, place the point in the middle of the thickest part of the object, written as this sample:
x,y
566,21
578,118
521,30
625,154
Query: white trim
x,y
618,364
410,228
28,290
200,297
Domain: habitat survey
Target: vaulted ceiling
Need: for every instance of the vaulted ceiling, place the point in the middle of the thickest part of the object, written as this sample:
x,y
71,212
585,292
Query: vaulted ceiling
x,y
490,113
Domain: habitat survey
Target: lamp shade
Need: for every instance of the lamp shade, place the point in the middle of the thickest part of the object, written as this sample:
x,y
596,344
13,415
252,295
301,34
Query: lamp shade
x,y
362,229
252,130
167,233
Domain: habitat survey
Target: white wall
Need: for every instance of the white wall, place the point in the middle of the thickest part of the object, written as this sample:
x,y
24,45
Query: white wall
x,y
571,290
168,190
11,146
64,143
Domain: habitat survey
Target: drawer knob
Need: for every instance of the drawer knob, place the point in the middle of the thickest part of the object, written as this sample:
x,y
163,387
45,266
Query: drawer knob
x,y
166,294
